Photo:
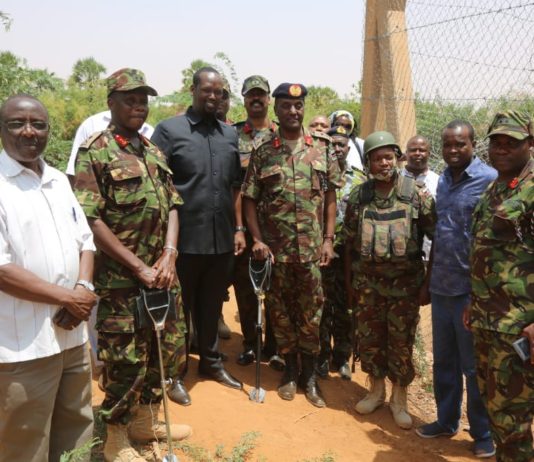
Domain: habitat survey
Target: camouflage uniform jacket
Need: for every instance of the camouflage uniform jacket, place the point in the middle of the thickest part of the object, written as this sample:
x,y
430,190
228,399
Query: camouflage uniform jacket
x,y
502,255
289,188
353,177
247,134
421,216
131,193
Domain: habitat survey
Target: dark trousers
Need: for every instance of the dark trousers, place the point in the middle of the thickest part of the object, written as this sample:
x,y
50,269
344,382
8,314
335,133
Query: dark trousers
x,y
204,279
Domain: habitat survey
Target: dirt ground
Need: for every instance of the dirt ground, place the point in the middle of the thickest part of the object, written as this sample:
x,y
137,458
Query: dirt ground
x,y
296,430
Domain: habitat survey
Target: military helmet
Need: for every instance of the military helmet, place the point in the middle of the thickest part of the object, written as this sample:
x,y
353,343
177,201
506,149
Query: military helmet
x,y
379,139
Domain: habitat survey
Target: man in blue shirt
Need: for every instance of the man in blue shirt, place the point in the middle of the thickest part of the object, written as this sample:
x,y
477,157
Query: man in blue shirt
x,y
459,189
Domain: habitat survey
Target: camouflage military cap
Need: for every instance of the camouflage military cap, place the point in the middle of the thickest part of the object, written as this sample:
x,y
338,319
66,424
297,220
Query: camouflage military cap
x,y
511,123
338,131
290,90
127,79
255,81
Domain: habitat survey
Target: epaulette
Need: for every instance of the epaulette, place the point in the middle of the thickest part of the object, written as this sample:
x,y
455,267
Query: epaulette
x,y
322,135
89,141
262,140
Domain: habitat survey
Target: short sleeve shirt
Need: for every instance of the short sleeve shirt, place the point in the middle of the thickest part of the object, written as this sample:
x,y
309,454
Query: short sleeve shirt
x,y
132,193
288,186
502,256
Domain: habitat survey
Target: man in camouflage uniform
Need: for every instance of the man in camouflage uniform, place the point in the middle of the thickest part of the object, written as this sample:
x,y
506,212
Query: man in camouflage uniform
x,y
289,188
125,189
502,305
256,100
385,221
337,323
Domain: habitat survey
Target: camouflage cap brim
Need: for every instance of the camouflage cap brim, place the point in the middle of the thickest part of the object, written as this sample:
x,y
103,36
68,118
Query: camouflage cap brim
x,y
149,90
509,131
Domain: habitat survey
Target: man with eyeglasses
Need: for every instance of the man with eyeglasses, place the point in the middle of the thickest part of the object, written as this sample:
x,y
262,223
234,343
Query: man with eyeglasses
x,y
46,272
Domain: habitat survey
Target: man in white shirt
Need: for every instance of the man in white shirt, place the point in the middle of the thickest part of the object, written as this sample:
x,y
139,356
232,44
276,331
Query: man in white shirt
x,y
93,124
46,269
417,155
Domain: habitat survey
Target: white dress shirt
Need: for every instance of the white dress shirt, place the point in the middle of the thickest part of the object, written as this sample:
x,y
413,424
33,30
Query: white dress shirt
x,y
43,230
354,159
93,124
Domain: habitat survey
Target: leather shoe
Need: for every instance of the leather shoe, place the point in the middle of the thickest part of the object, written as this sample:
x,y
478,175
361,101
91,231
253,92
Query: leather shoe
x,y
178,393
223,377
246,358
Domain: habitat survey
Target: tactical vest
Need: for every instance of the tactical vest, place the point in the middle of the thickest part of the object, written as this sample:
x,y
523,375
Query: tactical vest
x,y
384,233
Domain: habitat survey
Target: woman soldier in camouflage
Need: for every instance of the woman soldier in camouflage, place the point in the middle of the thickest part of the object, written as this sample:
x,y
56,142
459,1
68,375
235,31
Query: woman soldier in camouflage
x,y
385,221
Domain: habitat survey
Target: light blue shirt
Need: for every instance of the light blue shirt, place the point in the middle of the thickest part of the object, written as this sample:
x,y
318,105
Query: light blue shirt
x,y
455,203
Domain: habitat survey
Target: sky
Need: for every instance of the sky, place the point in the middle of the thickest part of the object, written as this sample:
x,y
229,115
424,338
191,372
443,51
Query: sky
x,y
314,43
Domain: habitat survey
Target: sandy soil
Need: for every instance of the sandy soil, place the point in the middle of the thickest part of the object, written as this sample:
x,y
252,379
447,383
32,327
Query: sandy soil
x,y
296,430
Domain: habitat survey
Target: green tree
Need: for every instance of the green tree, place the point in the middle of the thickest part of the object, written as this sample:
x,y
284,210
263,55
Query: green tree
x,y
87,73
187,74
16,77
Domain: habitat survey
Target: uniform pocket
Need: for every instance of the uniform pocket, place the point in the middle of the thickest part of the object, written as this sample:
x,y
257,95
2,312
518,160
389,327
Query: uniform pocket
x,y
116,340
382,236
117,324
397,232
126,184
271,179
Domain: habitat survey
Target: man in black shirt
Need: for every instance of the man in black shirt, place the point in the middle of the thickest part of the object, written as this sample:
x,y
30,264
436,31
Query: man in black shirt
x,y
203,155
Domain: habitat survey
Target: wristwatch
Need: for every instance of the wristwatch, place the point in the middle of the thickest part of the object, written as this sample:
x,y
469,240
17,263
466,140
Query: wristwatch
x,y
88,285
240,228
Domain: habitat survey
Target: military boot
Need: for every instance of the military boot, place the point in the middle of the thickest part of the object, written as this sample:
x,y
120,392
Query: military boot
x,y
398,404
308,380
145,426
375,398
118,447
288,385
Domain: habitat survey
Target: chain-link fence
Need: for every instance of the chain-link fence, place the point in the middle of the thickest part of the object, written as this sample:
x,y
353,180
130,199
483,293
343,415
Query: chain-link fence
x,y
432,61
460,59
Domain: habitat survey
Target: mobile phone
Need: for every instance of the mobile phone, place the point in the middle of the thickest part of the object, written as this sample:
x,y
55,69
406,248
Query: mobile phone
x,y
522,348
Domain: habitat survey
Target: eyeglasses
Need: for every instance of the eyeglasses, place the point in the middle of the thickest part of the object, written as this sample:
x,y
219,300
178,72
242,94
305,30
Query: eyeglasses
x,y
16,126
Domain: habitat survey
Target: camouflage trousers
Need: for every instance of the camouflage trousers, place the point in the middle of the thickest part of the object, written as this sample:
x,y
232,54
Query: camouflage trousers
x,y
507,388
130,355
295,301
386,334
336,319
247,305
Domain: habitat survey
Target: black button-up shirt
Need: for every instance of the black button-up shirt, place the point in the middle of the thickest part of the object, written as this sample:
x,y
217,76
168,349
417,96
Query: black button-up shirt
x,y
204,158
